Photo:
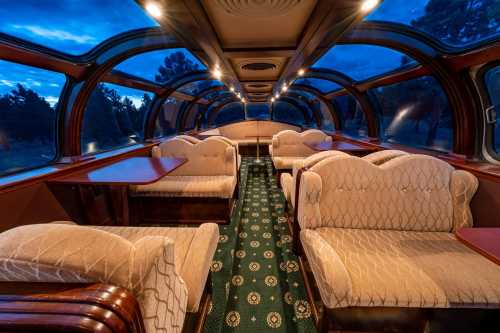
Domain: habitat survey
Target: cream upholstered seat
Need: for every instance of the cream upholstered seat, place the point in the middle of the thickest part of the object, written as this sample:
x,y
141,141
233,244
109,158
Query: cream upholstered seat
x,y
382,236
188,138
210,170
289,181
289,146
231,142
151,262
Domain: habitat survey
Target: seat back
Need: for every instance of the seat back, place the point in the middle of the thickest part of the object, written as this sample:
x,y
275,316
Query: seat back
x,y
291,143
380,157
412,193
188,138
245,129
205,158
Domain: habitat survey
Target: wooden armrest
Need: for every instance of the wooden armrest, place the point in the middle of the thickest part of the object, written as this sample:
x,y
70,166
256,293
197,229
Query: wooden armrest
x,y
68,307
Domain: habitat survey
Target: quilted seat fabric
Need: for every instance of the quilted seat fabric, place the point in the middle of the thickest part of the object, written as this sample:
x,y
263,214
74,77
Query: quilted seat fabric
x,y
75,254
194,250
389,268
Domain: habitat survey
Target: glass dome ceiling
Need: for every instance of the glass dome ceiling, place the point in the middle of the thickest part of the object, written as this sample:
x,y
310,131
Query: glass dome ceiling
x,y
324,86
195,87
71,26
362,62
453,22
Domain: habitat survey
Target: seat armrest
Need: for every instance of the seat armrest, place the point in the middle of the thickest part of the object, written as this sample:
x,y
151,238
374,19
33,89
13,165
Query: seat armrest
x,y
68,307
463,187
156,152
308,212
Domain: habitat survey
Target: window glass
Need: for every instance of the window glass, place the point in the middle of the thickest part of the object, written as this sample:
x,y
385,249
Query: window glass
x,y
28,119
195,87
324,86
492,79
287,113
351,116
415,113
362,62
114,118
214,94
258,111
192,116
161,66
71,26
232,112
167,117
453,22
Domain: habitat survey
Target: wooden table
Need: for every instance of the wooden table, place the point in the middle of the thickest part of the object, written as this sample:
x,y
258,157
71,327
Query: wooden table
x,y
117,177
483,240
343,146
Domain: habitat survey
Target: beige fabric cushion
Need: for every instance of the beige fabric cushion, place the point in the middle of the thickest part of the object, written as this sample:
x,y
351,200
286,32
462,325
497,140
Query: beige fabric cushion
x,y
291,143
229,142
407,193
389,268
188,186
242,130
75,254
285,162
286,182
194,250
380,157
188,138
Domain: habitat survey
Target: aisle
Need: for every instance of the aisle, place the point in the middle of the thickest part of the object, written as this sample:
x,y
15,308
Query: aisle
x,y
257,285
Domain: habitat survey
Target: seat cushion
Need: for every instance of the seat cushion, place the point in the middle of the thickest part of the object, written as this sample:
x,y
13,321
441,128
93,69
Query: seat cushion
x,y
286,181
189,186
356,267
193,250
285,162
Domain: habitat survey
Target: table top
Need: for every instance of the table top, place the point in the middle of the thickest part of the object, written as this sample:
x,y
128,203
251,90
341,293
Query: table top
x,y
483,240
130,171
338,145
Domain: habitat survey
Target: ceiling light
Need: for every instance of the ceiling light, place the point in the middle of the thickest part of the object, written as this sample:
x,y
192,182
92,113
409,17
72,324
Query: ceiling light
x,y
216,73
284,88
154,10
301,72
368,5
232,89
277,96
238,95
243,100
272,99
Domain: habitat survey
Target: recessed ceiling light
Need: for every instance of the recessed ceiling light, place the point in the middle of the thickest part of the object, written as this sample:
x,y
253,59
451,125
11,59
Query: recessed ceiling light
x,y
243,100
272,99
217,73
154,10
368,5
301,72
238,95
284,88
277,96
231,89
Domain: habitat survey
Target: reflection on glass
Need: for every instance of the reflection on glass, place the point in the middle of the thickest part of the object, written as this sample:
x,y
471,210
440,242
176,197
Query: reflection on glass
x,y
166,123
161,66
288,113
415,113
492,79
28,101
258,111
324,86
352,117
454,22
114,118
194,88
73,27
232,112
361,62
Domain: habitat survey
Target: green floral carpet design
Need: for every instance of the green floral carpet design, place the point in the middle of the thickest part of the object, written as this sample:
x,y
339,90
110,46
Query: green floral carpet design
x,y
256,282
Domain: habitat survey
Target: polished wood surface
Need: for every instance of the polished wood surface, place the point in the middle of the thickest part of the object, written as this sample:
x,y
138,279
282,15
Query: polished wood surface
x,y
131,171
68,307
341,146
483,240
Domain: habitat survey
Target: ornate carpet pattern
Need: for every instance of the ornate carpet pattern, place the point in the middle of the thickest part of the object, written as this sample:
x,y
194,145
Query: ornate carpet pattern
x,y
257,286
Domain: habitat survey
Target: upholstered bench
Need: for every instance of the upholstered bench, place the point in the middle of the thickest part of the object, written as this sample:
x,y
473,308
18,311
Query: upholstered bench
x,y
379,240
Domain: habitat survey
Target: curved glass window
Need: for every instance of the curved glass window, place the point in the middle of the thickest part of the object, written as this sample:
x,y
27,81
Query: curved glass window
x,y
259,111
214,94
28,117
194,88
324,86
232,112
453,22
190,122
287,113
161,66
362,62
352,117
415,113
492,80
167,117
73,27
114,118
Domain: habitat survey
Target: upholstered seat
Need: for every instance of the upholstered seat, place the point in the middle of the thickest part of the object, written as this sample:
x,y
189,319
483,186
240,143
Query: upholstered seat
x,y
166,269
229,141
188,138
189,186
382,236
289,147
193,252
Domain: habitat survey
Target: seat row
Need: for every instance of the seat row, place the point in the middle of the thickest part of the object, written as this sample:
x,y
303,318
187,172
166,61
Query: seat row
x,y
377,235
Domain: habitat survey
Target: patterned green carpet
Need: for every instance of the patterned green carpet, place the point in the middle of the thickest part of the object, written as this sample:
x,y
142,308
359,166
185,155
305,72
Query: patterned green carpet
x,y
257,286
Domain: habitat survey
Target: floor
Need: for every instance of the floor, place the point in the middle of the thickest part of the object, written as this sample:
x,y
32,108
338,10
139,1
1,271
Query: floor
x,y
257,285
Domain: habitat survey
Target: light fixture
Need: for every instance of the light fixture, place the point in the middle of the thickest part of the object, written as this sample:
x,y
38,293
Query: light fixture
x,y
154,10
216,73
277,96
272,99
284,88
238,95
368,5
301,72
243,100
231,89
